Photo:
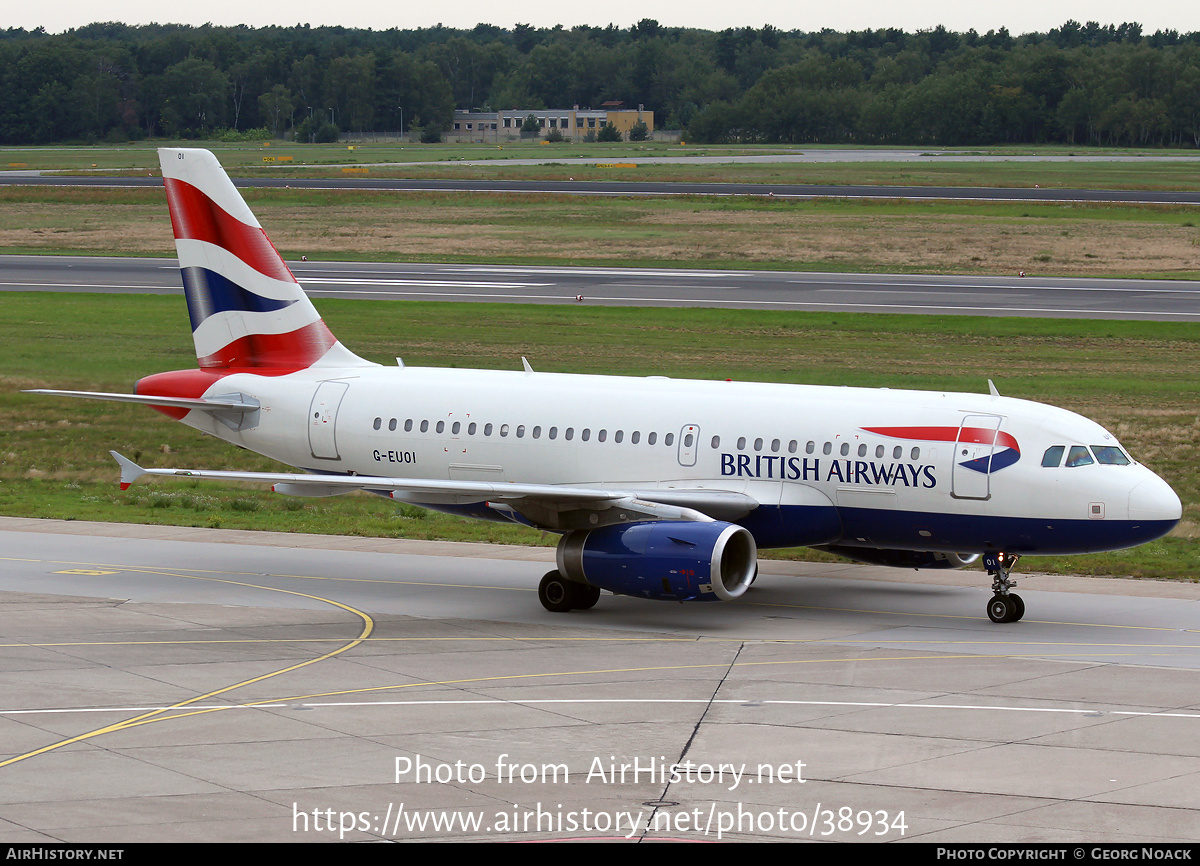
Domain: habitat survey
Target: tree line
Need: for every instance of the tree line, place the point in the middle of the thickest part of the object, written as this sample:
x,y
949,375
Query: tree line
x,y
1078,84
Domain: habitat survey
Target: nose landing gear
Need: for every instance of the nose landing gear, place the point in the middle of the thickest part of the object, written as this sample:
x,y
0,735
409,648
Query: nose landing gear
x,y
1005,605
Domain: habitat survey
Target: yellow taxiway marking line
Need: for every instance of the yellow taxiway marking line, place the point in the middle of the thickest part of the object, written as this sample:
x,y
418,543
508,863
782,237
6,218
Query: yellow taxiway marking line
x,y
156,715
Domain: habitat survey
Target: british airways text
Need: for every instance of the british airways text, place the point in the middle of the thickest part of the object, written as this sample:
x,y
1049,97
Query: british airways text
x,y
844,471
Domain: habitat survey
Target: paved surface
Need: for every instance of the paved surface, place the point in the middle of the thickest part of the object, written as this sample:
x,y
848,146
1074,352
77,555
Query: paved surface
x,y
773,290
628,188
184,684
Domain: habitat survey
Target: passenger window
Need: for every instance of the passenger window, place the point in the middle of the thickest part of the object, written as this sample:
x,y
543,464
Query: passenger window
x,y
635,437
570,434
757,444
441,425
471,429
392,425
537,432
669,439
424,426
651,438
1110,455
862,450
503,429
1079,456
878,450
553,432
716,442
457,426
487,429
845,448
741,443
586,434
520,431
618,436
792,446
774,444
1053,456
408,425
810,447
602,436
828,449
687,441
378,423
897,452
915,455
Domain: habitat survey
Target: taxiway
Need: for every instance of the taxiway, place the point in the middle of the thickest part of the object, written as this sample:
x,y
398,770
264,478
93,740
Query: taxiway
x,y
174,684
1176,300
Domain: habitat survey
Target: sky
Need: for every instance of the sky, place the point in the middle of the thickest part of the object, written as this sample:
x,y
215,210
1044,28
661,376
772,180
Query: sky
x,y
1019,16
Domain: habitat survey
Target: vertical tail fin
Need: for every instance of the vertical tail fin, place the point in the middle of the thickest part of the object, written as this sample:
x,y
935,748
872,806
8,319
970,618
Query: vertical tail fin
x,y
247,309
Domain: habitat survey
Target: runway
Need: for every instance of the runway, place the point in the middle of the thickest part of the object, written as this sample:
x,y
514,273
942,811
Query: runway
x,y
1168,300
175,684
646,188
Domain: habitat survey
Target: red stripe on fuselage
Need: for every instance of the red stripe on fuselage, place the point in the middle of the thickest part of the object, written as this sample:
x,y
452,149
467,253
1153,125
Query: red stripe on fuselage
x,y
193,384
180,383
975,435
194,216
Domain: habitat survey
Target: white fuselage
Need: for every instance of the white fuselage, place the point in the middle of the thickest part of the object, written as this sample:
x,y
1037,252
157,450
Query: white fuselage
x,y
791,448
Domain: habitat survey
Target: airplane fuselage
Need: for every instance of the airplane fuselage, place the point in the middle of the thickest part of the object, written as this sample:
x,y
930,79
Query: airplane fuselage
x,y
869,468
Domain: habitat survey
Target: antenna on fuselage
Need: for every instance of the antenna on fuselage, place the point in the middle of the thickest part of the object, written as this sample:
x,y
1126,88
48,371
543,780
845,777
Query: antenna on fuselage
x,y
992,388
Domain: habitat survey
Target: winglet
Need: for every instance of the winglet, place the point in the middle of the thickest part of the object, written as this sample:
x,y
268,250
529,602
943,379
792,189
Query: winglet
x,y
130,471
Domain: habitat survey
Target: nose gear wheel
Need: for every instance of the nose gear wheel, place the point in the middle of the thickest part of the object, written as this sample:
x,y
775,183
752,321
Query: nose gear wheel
x,y
1005,605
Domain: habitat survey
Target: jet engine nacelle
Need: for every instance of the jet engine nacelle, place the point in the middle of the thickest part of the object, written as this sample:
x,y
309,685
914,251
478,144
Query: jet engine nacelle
x,y
670,560
902,558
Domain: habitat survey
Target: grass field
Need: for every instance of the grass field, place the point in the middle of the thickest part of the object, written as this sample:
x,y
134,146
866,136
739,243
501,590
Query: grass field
x,y
1142,380
693,231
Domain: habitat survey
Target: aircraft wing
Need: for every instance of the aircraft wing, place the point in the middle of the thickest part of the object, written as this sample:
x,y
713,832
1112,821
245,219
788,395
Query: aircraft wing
x,y
549,506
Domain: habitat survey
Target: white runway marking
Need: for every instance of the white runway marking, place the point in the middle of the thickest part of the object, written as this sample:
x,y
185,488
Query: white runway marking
x,y
1074,711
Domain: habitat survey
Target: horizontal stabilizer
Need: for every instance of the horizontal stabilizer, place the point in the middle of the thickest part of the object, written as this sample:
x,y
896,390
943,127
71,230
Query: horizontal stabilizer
x,y
235,411
231,403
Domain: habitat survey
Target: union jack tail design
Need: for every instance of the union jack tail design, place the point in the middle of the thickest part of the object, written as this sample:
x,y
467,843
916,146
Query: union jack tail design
x,y
247,310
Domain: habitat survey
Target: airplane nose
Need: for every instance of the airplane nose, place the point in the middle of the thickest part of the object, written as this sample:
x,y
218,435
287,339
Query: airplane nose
x,y
1153,500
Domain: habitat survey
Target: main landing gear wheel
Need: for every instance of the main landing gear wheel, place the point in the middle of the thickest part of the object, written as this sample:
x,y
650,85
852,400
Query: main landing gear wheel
x,y
1006,605
559,595
586,596
554,592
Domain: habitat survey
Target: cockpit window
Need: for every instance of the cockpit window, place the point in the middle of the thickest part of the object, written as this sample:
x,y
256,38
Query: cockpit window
x,y
1053,455
1079,456
1110,454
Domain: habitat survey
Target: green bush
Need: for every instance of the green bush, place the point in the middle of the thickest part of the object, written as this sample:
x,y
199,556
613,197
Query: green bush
x,y
236,135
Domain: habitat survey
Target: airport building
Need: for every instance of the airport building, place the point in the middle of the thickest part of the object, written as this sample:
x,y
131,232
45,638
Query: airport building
x,y
574,124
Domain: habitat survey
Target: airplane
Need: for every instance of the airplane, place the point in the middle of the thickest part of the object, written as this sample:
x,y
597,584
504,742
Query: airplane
x,y
660,488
